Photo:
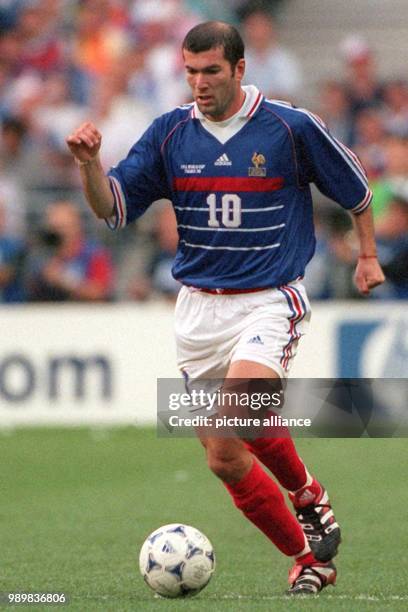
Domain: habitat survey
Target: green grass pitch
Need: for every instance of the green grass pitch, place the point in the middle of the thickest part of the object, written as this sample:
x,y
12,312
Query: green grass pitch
x,y
76,505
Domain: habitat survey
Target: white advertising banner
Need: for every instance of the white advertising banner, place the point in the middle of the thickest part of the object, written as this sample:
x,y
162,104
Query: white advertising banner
x,y
355,340
83,364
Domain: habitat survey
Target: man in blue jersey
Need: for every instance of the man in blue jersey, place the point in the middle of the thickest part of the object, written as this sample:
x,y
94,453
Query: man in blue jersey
x,y
238,169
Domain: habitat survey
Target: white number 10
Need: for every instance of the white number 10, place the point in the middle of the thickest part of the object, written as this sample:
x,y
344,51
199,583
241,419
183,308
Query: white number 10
x,y
231,210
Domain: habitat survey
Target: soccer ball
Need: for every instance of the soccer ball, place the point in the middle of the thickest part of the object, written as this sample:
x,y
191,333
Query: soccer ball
x,y
177,560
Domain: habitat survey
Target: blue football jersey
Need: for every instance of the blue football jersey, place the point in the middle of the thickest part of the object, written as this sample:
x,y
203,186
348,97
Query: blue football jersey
x,y
243,206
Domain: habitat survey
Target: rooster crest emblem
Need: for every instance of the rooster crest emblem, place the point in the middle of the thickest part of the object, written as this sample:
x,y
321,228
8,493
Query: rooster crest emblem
x,y
258,160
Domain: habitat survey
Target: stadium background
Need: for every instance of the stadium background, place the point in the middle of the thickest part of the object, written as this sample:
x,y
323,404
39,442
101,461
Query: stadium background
x,y
77,502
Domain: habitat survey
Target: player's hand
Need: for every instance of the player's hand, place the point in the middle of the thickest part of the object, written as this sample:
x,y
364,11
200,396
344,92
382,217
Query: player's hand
x,y
368,275
85,142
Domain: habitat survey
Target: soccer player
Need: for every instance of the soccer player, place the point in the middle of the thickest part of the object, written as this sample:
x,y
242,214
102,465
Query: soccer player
x,y
238,169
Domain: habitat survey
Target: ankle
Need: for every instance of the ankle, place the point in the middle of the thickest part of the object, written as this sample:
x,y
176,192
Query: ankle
x,y
306,559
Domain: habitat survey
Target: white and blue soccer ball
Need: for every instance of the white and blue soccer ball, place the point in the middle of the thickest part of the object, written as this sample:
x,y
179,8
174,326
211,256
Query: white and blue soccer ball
x,y
177,560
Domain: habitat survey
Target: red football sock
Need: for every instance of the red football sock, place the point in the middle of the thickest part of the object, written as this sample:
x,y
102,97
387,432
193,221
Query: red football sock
x,y
279,455
309,493
306,559
260,499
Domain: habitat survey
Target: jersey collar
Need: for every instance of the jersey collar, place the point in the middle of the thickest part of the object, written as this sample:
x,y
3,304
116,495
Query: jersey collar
x,y
252,102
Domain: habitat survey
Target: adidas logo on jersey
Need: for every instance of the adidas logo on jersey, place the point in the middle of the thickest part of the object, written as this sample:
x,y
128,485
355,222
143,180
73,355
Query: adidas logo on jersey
x,y
223,160
255,340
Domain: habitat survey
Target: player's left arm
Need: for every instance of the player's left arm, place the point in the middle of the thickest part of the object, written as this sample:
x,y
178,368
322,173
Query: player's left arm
x,y
338,174
368,272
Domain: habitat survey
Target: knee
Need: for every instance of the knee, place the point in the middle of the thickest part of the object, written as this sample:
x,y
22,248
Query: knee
x,y
224,469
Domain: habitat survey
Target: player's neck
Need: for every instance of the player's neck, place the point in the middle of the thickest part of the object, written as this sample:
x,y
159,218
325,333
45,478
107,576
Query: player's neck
x,y
233,109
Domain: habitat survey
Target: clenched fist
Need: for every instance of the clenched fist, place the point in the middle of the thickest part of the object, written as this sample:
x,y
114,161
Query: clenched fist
x,y
85,142
368,275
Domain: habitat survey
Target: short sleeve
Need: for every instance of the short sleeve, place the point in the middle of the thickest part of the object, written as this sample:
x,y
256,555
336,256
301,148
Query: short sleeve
x,y
331,166
138,180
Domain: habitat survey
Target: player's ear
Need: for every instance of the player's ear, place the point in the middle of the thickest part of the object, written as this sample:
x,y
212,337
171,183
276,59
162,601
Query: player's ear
x,y
239,69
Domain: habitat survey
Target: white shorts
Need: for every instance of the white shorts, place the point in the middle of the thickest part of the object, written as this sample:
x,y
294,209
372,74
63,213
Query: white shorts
x,y
213,331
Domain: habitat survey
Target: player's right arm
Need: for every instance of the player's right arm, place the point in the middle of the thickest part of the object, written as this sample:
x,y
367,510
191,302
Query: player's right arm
x,y
85,143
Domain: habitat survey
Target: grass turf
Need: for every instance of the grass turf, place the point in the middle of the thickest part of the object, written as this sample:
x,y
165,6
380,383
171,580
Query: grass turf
x,y
76,505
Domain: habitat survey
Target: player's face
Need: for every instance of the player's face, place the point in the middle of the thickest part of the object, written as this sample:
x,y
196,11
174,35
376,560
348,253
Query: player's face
x,y
216,88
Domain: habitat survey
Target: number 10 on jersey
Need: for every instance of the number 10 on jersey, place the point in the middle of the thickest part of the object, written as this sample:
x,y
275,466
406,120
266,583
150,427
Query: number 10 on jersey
x,y
230,210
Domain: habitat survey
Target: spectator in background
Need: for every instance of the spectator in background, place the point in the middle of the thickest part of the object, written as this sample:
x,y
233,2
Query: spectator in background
x,y
158,279
369,141
214,9
32,150
10,51
396,107
342,257
315,279
392,241
160,25
13,202
142,83
155,70
330,275
5,82
13,134
9,10
13,158
362,82
166,240
268,65
395,175
99,38
335,110
69,267
56,112
12,258
244,7
123,117
32,147
38,32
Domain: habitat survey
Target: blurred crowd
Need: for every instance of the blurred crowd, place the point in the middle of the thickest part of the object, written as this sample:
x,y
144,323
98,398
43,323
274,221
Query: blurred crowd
x,y
118,63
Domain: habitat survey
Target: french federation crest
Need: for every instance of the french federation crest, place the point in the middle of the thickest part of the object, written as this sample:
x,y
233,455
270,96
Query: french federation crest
x,y
257,169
